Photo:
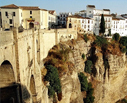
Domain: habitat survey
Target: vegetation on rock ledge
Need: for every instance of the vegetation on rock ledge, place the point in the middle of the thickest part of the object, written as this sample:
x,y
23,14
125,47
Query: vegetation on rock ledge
x,y
54,81
85,86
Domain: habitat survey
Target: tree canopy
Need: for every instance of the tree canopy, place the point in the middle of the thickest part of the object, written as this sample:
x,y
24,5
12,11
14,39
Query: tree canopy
x,y
102,24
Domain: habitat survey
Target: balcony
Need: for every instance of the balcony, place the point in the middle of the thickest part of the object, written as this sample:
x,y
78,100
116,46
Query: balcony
x,y
30,19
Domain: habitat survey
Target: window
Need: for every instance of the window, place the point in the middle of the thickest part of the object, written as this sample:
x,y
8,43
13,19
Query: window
x,y
13,13
82,21
6,13
10,21
88,21
30,12
0,13
30,16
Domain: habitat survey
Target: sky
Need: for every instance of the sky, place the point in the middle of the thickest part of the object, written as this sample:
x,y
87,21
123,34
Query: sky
x,y
115,6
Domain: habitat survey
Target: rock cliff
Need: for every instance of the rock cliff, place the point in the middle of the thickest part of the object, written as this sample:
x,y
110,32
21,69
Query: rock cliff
x,y
109,80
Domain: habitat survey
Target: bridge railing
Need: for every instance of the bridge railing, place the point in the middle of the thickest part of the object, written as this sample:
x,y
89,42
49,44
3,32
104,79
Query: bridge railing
x,y
6,37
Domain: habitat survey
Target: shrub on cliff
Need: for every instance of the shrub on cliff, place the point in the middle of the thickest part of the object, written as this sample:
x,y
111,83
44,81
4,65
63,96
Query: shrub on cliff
x,y
123,44
85,38
83,81
53,78
83,56
88,65
100,41
89,97
116,37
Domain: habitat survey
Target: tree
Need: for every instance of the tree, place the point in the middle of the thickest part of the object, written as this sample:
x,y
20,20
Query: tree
x,y
101,41
88,65
109,32
102,24
123,44
89,96
83,81
116,37
53,78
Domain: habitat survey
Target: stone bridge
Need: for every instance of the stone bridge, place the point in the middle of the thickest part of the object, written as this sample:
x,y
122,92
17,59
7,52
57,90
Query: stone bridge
x,y
21,62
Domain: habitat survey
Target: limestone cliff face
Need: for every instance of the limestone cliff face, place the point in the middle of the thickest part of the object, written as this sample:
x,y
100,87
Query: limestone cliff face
x,y
71,88
110,78
112,81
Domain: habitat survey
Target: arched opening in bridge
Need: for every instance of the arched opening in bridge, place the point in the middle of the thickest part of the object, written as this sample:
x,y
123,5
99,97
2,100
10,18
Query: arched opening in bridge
x,y
9,90
33,90
6,74
31,25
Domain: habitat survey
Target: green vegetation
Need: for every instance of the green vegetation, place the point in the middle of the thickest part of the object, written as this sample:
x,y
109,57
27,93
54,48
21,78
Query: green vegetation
x,y
109,32
85,86
124,101
53,78
116,37
85,38
89,96
88,65
83,56
83,81
123,44
101,41
102,24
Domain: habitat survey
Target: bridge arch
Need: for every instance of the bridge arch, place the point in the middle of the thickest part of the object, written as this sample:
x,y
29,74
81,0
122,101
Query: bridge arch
x,y
6,74
33,89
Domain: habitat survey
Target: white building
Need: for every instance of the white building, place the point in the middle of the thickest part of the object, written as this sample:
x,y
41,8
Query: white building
x,y
87,24
97,20
62,18
51,18
81,13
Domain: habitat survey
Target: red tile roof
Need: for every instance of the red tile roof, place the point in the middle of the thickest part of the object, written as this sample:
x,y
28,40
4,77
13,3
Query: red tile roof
x,y
92,6
11,6
106,9
77,16
52,11
29,7
44,10
115,19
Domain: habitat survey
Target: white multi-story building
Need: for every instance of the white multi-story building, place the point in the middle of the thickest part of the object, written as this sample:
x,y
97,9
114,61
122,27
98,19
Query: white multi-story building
x,y
52,18
97,20
87,24
81,13
26,16
62,18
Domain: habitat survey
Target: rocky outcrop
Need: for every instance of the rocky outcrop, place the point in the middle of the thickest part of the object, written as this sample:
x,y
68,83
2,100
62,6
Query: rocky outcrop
x,y
110,75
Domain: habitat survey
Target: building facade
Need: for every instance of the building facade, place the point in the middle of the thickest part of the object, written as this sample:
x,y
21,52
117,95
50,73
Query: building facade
x,y
62,19
26,16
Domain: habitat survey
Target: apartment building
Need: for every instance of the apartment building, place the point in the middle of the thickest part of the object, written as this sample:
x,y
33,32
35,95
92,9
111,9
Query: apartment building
x,y
52,18
82,24
97,20
87,24
62,18
26,16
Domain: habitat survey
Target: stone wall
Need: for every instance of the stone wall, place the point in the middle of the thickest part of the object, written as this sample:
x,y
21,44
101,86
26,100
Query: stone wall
x,y
26,51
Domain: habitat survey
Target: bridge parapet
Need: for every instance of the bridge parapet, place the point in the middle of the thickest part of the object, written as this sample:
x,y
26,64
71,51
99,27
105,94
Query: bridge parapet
x,y
6,37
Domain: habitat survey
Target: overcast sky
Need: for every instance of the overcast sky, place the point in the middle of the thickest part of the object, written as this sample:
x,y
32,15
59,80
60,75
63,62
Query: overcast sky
x,y
115,6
